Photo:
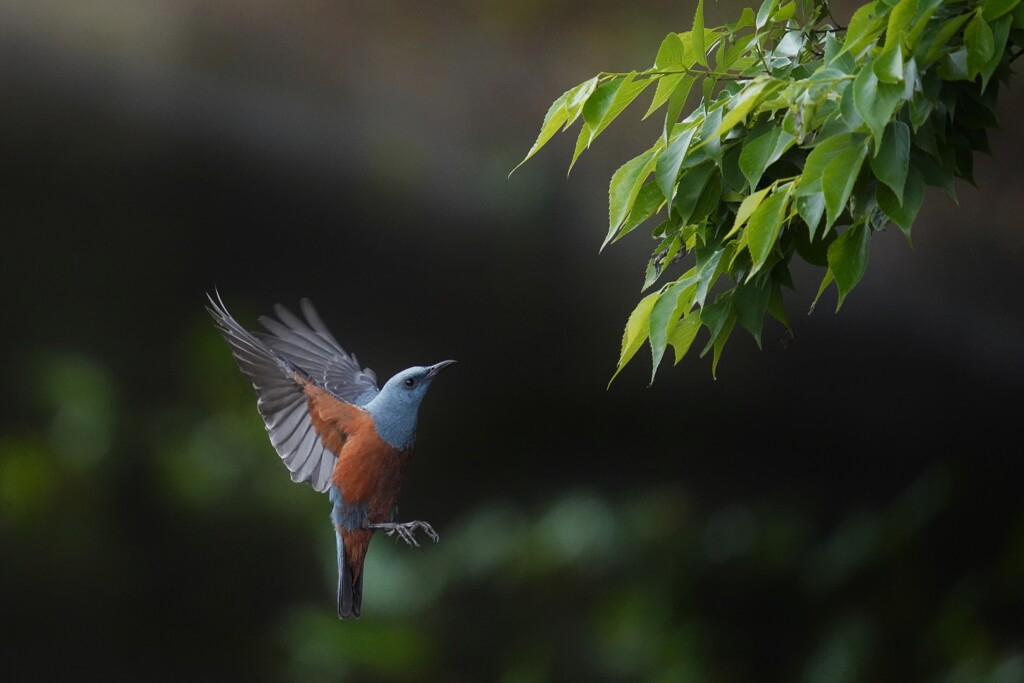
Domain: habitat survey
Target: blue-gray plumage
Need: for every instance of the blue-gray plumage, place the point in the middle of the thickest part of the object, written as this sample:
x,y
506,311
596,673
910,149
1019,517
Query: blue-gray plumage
x,y
333,427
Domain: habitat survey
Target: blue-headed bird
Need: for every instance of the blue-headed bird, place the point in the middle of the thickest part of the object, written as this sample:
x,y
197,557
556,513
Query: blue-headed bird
x,y
333,427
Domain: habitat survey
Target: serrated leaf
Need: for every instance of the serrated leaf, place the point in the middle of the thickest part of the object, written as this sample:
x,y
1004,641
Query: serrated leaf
x,y
764,225
938,45
665,313
647,203
742,104
980,44
1000,33
708,261
811,208
875,102
670,53
762,151
865,26
848,259
710,144
825,282
903,208
750,302
676,101
637,328
899,19
837,181
607,101
689,188
888,66
746,208
699,49
681,337
624,187
666,84
561,114
821,156
893,159
667,170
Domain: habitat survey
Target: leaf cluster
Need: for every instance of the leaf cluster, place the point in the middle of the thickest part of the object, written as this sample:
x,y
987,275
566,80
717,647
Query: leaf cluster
x,y
804,139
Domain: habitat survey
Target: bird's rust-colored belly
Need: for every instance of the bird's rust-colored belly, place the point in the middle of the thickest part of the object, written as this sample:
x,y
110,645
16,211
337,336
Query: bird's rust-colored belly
x,y
369,472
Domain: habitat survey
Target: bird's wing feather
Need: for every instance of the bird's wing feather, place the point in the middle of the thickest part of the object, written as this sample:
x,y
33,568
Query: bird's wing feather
x,y
310,346
282,401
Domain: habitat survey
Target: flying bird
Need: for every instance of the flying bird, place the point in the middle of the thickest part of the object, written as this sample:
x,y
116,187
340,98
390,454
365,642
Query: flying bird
x,y
333,427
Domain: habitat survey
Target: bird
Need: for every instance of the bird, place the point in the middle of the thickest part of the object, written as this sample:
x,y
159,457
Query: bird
x,y
334,427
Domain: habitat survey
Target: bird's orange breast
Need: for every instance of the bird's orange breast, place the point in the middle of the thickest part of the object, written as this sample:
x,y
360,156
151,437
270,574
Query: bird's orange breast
x,y
369,470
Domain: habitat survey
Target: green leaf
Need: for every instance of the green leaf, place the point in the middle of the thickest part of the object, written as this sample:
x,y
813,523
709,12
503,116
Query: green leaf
x,y
710,143
689,188
675,103
720,320
665,313
1000,33
821,156
666,84
888,67
865,26
764,226
848,259
993,9
647,203
667,170
899,19
825,282
765,13
747,207
601,108
750,303
708,260
757,152
624,187
682,335
875,102
741,105
562,113
811,208
777,307
637,328
938,45
903,208
670,53
893,159
980,44
699,49
837,181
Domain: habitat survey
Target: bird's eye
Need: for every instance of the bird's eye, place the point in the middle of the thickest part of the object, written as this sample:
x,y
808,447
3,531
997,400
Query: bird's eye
x,y
409,382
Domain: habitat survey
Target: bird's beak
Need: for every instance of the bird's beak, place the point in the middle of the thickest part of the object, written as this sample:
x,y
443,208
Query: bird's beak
x,y
433,370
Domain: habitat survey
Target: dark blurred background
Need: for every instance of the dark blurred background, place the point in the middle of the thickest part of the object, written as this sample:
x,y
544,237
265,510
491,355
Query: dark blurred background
x,y
845,506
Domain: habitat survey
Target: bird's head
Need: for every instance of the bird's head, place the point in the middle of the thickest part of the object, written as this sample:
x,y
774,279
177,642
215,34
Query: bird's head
x,y
395,408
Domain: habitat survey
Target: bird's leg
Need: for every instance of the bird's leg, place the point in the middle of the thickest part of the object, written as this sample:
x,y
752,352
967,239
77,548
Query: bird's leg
x,y
406,530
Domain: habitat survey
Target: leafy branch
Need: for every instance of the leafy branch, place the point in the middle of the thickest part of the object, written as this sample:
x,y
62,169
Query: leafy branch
x,y
806,138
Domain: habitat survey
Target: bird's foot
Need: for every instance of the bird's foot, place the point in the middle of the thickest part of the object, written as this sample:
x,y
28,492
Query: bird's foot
x,y
406,530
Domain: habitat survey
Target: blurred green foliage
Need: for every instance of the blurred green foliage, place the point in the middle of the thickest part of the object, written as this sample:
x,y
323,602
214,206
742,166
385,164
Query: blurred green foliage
x,y
649,584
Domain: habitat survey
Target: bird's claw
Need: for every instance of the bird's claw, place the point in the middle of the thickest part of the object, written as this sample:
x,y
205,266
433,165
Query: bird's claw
x,y
407,531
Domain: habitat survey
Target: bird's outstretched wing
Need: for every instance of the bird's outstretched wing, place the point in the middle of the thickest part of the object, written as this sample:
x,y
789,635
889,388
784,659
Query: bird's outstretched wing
x,y
282,401
311,346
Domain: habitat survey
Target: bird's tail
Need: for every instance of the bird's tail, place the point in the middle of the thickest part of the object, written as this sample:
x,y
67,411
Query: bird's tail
x,y
350,576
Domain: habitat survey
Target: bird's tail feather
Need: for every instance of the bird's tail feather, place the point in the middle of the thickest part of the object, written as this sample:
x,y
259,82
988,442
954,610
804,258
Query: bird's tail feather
x,y
350,585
